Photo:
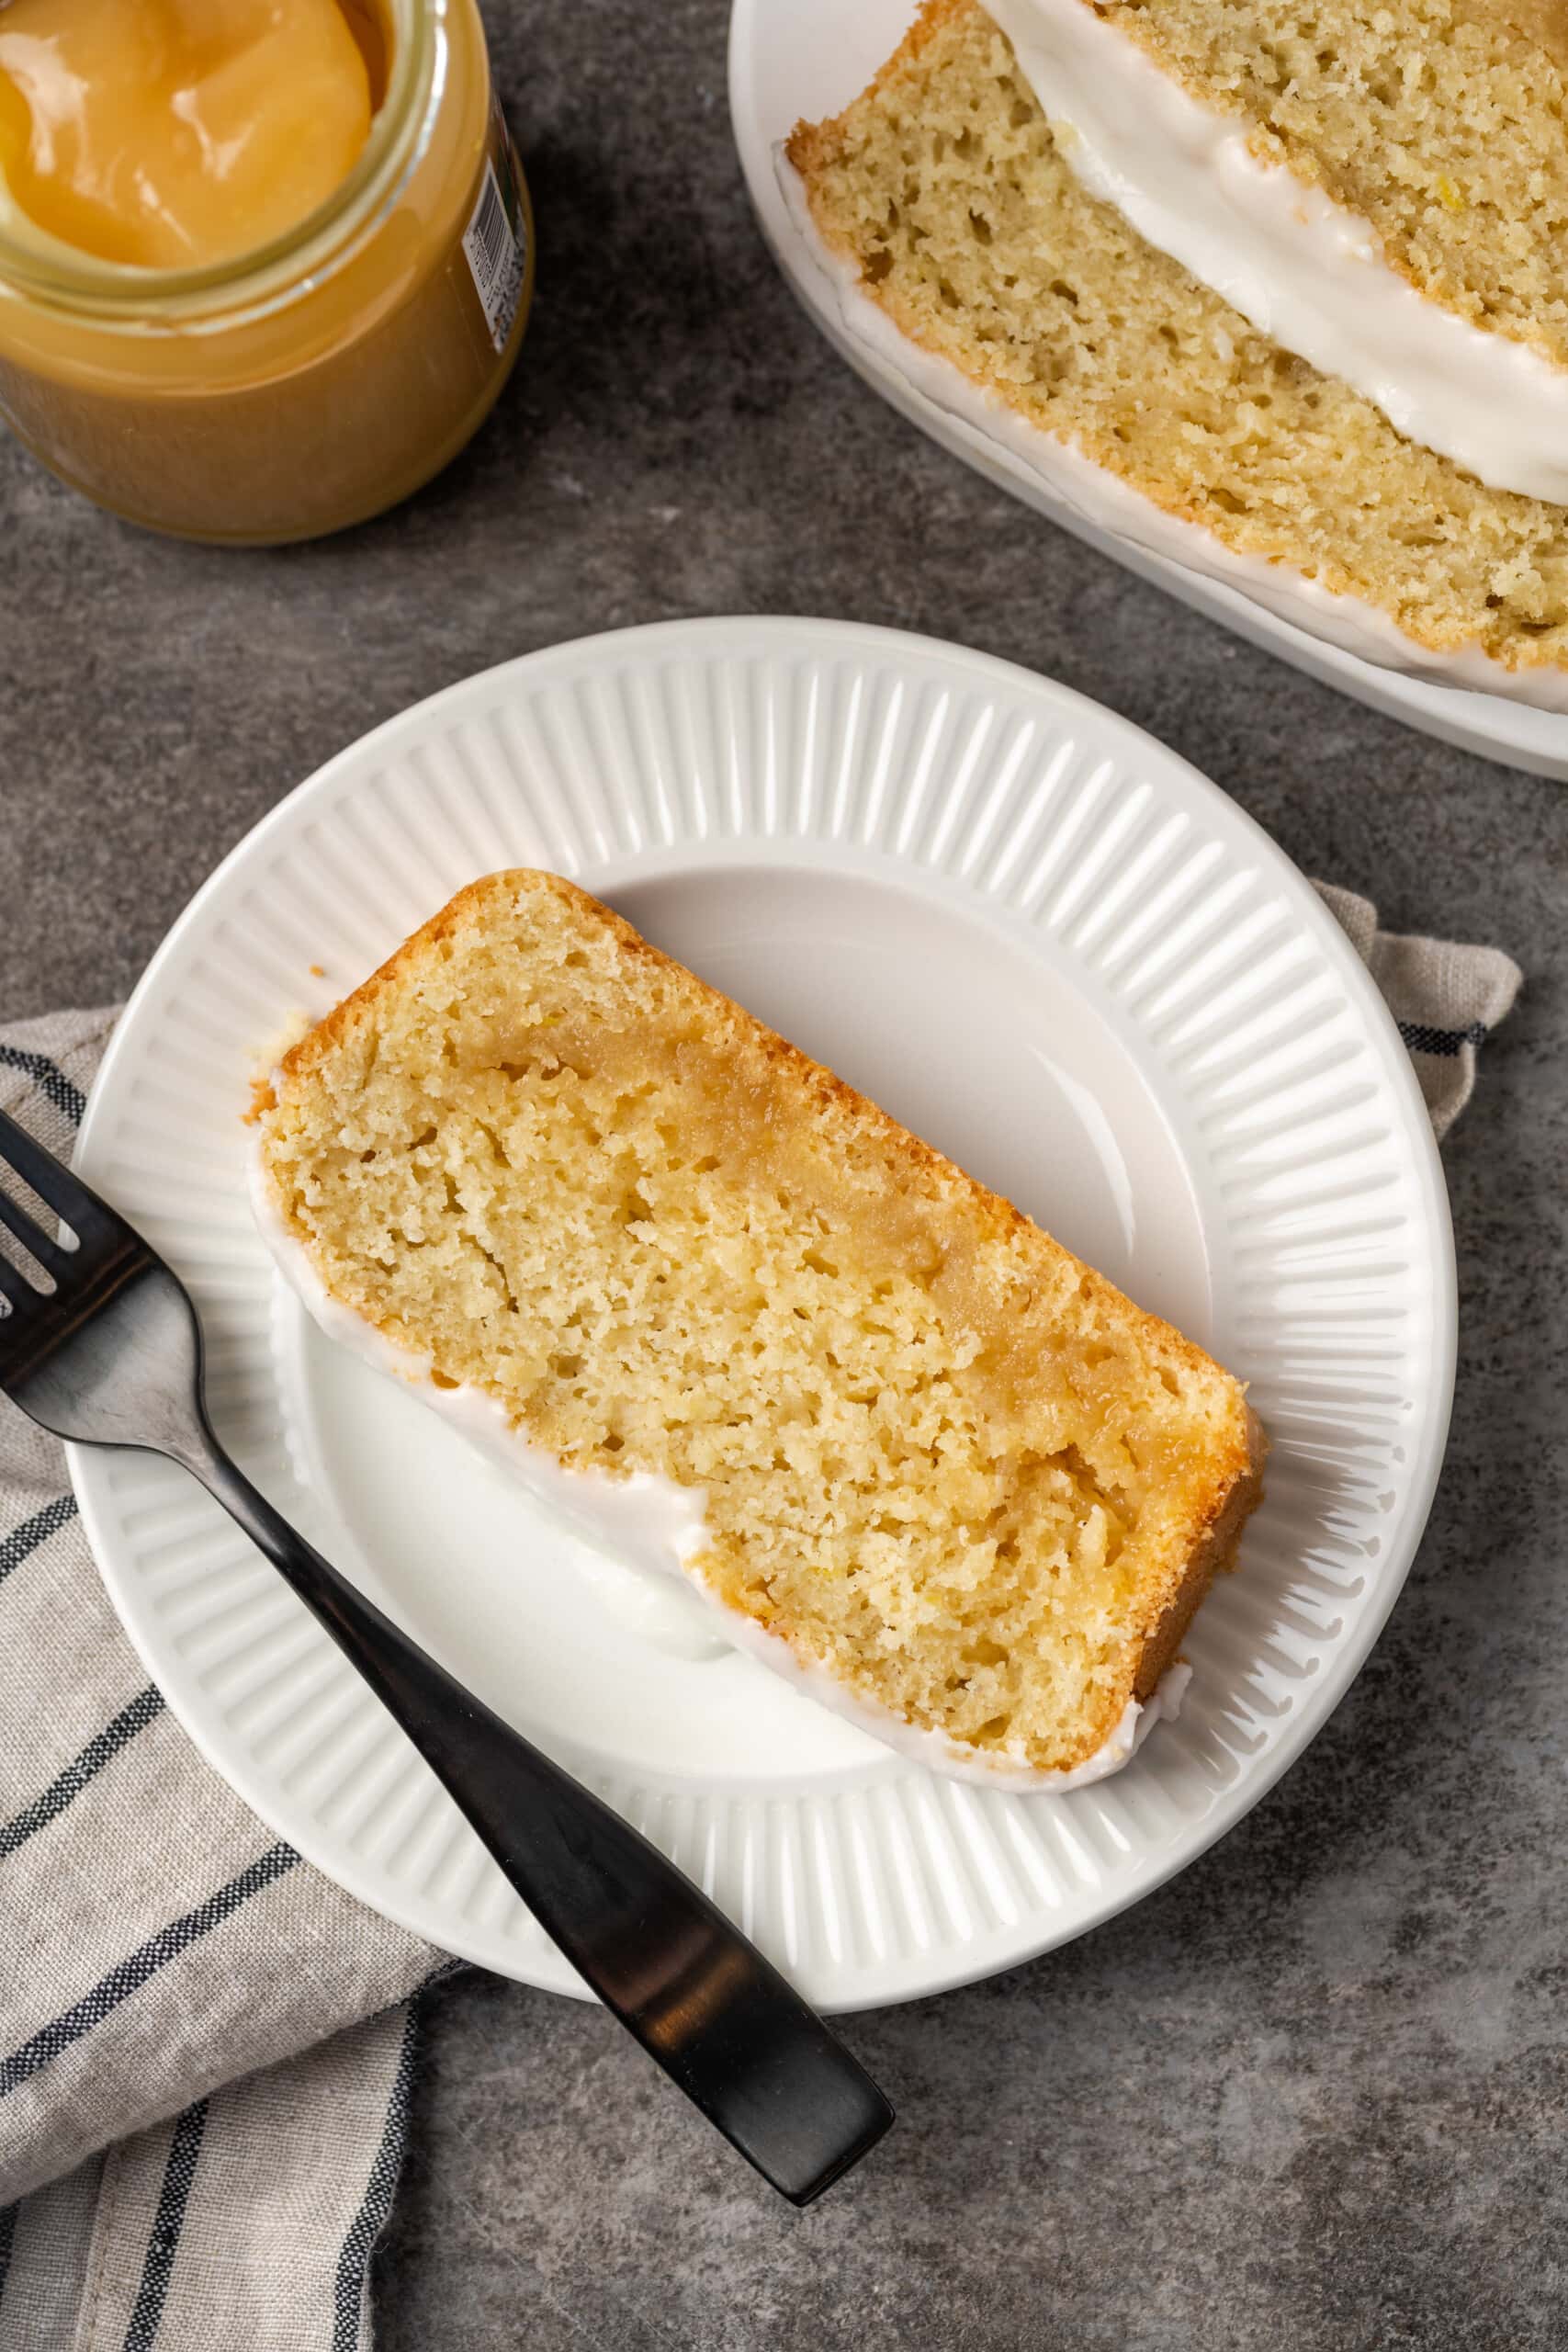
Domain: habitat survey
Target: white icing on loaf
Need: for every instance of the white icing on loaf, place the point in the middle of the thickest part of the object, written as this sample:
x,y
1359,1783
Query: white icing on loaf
x,y
1306,272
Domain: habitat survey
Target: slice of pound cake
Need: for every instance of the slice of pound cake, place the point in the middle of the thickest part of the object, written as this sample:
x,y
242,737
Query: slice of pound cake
x,y
969,255
1379,185
718,1305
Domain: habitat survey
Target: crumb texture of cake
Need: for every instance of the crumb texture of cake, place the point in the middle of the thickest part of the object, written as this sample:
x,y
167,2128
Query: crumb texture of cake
x,y
944,186
1256,152
941,1460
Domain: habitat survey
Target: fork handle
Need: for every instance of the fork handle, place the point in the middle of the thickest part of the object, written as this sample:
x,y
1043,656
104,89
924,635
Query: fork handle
x,y
699,1997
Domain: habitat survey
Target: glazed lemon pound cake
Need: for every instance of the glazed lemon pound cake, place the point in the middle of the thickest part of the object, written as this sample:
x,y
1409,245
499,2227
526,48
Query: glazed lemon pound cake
x,y
966,252
920,1457
1379,185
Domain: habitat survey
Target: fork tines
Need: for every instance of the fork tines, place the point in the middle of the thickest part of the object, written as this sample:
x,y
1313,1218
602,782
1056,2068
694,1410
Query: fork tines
x,y
56,1187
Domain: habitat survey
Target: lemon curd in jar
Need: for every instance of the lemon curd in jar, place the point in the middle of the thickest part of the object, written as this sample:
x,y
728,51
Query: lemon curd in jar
x,y
265,265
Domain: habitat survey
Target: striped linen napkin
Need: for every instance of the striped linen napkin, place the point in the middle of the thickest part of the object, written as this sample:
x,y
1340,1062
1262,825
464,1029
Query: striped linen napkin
x,y
205,2046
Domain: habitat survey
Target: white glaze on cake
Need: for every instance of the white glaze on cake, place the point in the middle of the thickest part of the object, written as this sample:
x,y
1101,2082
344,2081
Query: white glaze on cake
x,y
1007,445
649,1521
1307,272
658,1526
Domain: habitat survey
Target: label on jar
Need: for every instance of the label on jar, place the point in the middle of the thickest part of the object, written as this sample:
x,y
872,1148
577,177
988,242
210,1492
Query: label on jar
x,y
495,244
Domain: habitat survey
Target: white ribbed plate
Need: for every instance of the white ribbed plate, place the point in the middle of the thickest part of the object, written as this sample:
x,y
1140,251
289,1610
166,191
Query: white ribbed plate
x,y
790,59
1046,945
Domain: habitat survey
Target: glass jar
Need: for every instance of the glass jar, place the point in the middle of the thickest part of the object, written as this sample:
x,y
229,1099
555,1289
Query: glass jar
x,y
305,386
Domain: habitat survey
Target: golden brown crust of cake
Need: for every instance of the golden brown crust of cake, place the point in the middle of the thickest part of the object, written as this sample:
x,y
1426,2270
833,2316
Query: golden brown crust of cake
x,y
811,146
1213,1552
1202,1534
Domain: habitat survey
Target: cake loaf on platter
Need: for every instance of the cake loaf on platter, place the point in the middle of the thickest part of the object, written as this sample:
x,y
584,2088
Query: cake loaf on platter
x,y
966,251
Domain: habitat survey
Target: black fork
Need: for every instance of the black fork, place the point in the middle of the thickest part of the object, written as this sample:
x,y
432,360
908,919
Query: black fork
x,y
105,1350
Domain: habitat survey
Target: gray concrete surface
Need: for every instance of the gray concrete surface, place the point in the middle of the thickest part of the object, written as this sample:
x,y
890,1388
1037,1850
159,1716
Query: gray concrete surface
x,y
1313,2093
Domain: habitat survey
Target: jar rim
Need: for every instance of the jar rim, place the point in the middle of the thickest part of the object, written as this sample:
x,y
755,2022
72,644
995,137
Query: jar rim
x,y
58,274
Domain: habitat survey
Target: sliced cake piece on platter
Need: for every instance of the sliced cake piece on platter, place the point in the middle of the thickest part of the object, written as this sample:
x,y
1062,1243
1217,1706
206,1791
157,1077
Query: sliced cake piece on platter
x,y
724,1312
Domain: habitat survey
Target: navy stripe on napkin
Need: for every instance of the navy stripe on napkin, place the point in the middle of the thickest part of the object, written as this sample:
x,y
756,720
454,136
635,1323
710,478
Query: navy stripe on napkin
x,y
348,2293
179,2173
144,1963
23,1540
68,1785
1421,1038
50,1079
